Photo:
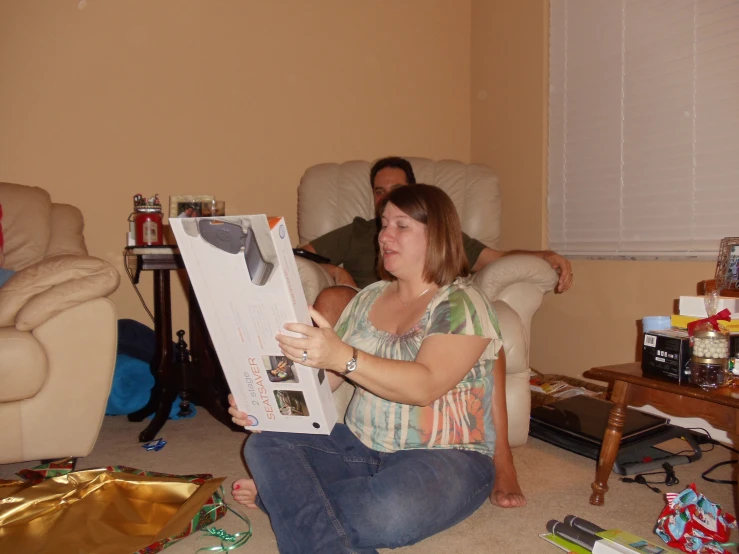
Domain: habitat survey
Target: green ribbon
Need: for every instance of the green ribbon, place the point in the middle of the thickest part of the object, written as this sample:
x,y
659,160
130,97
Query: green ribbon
x,y
238,539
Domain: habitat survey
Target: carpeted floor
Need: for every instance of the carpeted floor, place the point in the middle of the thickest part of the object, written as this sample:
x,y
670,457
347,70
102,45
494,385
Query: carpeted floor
x,y
556,483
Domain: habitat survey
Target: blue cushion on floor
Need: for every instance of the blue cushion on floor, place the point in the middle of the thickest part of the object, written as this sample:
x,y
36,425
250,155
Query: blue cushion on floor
x,y
132,384
5,274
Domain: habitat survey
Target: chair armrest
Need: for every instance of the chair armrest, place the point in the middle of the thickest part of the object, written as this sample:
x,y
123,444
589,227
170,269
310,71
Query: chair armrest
x,y
495,277
313,277
46,288
519,280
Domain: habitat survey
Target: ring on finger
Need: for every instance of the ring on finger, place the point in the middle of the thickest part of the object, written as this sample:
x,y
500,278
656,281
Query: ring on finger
x,y
305,356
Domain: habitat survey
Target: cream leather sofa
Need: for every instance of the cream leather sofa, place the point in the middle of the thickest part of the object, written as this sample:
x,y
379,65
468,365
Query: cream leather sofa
x,y
331,195
57,331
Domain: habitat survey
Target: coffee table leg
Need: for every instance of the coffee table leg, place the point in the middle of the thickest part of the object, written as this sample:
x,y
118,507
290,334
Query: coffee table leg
x,y
611,442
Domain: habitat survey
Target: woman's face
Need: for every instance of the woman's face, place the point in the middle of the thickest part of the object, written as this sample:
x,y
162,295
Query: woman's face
x,y
403,243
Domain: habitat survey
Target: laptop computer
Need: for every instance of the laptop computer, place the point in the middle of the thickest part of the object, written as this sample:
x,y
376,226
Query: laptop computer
x,y
586,418
577,424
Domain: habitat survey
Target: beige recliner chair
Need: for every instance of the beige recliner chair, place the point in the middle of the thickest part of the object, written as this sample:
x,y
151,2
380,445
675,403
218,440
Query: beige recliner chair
x,y
58,332
331,195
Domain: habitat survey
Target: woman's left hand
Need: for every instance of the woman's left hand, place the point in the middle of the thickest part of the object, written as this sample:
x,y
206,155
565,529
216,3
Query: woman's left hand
x,y
238,417
321,347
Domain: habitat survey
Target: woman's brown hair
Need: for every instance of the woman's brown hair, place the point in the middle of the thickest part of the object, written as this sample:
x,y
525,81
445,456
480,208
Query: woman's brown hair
x,y
445,256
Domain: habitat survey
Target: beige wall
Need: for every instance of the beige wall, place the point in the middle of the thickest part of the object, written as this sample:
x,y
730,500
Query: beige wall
x,y
508,79
232,97
595,323
237,98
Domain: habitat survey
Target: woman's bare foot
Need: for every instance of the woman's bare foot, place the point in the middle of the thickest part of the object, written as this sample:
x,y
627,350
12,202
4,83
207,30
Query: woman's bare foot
x,y
244,492
507,492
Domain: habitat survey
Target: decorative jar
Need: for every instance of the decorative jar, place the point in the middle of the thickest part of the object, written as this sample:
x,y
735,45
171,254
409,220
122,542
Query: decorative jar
x,y
709,364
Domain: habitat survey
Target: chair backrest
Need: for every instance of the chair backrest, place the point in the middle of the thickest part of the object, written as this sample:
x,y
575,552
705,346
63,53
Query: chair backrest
x,y
331,195
35,228
26,224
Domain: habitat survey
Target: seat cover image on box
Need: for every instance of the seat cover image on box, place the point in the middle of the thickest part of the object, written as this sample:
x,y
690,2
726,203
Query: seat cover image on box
x,y
236,238
243,272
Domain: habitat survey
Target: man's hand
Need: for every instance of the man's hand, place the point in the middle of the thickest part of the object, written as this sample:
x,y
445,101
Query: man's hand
x,y
340,275
562,266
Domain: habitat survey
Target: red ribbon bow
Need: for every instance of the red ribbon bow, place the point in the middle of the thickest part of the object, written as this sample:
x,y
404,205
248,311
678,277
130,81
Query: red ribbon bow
x,y
723,315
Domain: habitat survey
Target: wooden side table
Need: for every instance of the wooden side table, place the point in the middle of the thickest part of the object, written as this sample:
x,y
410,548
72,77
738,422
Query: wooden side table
x,y
631,387
206,381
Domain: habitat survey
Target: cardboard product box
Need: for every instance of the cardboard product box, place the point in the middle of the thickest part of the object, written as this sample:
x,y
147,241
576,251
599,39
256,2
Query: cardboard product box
x,y
666,353
244,275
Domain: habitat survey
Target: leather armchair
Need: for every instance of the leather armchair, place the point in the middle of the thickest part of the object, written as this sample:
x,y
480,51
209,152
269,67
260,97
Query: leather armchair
x,y
331,195
58,332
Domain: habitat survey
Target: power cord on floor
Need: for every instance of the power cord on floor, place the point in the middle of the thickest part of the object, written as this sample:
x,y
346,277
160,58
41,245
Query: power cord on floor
x,y
669,473
703,437
135,287
707,439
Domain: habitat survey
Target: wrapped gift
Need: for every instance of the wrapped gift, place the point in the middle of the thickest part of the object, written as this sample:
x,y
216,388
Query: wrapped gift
x,y
112,509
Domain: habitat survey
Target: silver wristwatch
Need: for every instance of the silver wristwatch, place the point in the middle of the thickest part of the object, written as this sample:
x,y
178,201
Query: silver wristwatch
x,y
351,365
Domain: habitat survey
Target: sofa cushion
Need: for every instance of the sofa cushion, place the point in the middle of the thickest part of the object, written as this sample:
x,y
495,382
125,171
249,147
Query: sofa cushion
x,y
22,365
41,291
26,224
67,227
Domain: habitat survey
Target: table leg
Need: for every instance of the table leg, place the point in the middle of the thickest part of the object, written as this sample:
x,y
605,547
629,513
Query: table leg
x,y
164,391
212,389
611,442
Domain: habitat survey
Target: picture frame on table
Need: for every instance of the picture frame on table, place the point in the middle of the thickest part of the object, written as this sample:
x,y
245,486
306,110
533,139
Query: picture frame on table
x,y
191,205
727,267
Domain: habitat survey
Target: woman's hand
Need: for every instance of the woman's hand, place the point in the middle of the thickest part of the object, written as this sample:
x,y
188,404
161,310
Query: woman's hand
x,y
321,347
239,418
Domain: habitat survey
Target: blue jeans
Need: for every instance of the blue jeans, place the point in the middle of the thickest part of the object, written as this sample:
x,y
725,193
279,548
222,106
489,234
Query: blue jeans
x,y
332,494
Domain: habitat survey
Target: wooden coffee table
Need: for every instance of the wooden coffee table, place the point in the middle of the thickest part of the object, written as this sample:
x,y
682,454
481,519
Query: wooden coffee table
x,y
630,387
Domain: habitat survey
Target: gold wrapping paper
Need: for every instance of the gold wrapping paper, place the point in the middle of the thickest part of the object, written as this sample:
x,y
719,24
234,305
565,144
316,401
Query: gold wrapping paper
x,y
97,511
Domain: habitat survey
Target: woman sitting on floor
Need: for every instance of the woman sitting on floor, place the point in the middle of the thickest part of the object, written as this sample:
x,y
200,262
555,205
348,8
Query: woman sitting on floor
x,y
414,457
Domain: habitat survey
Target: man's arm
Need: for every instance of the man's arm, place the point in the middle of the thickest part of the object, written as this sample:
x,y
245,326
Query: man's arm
x,y
339,274
333,245
560,264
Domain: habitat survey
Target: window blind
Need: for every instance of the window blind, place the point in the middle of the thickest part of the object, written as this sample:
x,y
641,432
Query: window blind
x,y
643,126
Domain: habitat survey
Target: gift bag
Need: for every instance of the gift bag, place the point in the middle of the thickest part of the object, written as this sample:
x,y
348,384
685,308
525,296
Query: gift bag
x,y
692,523
111,510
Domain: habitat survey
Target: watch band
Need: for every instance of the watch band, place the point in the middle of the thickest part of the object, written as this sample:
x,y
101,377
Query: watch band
x,y
351,365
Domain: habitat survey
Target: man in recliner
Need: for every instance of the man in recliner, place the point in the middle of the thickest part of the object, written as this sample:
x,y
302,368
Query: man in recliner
x,y
354,246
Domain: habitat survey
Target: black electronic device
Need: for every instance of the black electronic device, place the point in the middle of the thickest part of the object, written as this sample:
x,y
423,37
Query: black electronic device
x,y
578,424
312,256
666,353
